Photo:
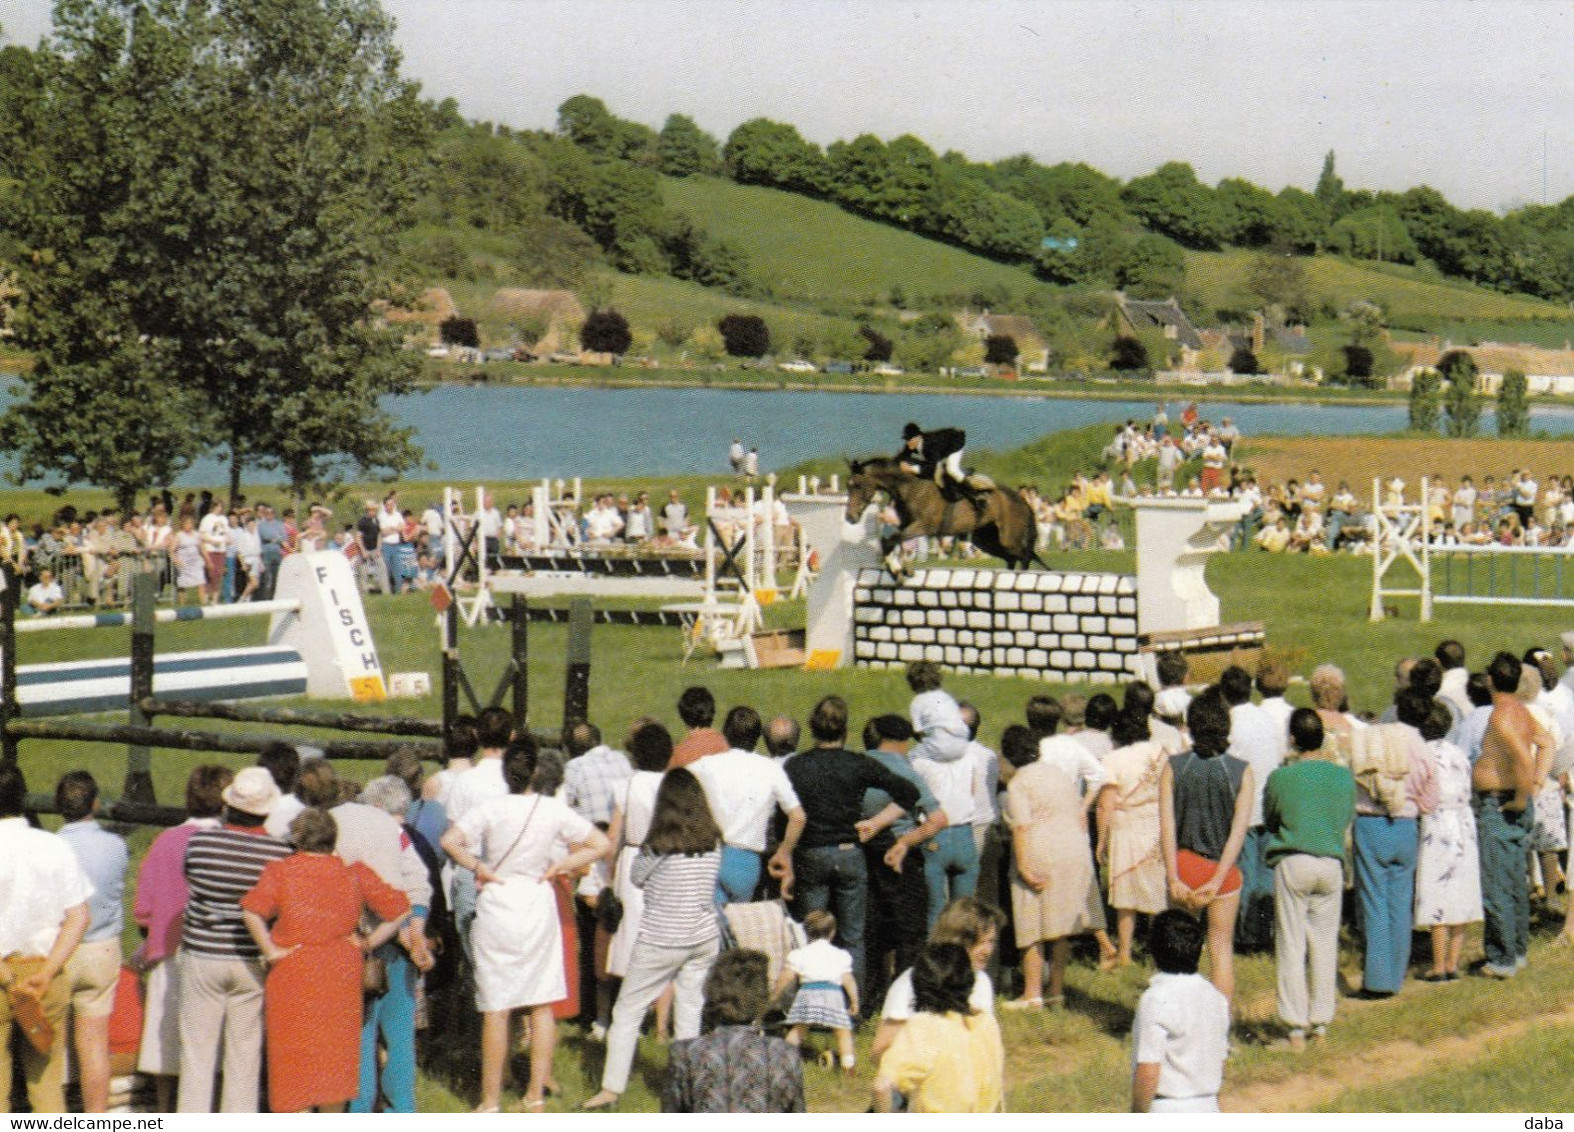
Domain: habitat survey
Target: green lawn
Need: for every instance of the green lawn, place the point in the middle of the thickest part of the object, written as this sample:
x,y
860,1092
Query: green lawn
x,y
810,249
1407,294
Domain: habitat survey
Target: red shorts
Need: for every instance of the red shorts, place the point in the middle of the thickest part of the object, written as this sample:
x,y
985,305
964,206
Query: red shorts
x,y
1196,871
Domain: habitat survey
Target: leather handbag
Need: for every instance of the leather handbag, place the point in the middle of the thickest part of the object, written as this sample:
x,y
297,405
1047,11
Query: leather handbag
x,y
609,911
374,976
28,1012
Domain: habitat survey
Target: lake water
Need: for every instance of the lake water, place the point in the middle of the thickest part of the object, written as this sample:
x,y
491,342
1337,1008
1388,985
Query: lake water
x,y
476,433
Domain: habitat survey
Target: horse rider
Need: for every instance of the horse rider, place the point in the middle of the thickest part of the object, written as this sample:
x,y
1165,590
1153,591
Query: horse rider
x,y
936,454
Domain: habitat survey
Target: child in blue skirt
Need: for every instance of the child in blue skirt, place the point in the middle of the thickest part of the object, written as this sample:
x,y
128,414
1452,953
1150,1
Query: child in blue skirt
x,y
827,995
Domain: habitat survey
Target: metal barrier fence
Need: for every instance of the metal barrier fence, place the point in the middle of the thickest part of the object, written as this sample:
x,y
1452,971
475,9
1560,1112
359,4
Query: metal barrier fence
x,y
1502,575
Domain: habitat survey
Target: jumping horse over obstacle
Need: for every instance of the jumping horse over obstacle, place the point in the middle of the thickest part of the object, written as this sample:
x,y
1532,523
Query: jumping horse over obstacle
x,y
997,520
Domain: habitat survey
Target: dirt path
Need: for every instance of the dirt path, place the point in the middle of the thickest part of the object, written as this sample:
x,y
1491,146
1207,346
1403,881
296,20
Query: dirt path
x,y
1357,459
1379,1065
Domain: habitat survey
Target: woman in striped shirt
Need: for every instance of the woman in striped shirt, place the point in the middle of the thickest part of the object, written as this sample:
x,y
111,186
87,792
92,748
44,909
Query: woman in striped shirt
x,y
678,935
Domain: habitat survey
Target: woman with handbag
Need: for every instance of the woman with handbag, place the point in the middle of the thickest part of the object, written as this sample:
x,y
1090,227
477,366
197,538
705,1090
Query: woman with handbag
x,y
316,964
510,843
679,936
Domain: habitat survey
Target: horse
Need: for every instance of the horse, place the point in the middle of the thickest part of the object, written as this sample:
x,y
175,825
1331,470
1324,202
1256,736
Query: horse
x,y
999,522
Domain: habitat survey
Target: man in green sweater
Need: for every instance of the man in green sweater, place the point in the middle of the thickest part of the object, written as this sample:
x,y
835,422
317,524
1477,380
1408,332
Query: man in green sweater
x,y
1308,806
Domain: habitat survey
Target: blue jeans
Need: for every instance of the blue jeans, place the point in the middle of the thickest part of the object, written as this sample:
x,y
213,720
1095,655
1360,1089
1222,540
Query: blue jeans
x,y
834,877
392,567
1254,924
391,1015
950,868
1385,875
1505,890
739,876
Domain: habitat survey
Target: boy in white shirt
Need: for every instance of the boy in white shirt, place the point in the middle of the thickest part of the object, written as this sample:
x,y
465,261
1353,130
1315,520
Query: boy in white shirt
x,y
943,734
1180,1036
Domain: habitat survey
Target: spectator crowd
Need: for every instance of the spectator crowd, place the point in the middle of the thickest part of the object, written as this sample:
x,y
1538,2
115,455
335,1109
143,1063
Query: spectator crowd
x,y
300,931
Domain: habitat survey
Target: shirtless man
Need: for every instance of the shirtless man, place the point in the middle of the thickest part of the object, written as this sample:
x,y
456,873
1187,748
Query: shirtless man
x,y
1503,781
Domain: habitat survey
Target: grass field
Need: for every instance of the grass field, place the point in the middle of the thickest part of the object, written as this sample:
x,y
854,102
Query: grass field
x,y
1411,297
809,249
1474,1044
1358,460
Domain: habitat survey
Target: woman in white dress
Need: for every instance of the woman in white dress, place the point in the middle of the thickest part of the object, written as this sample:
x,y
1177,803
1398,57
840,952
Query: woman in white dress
x,y
190,568
1448,869
510,843
1128,829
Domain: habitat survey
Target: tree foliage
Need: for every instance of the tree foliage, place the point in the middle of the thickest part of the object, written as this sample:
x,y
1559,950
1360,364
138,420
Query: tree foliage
x,y
1000,350
1513,404
877,347
763,152
745,335
685,150
1426,400
605,332
1279,280
1128,353
1357,364
210,201
1460,399
457,331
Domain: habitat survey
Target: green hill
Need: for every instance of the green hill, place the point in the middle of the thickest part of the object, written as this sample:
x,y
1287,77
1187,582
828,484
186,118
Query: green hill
x,y
1413,298
813,251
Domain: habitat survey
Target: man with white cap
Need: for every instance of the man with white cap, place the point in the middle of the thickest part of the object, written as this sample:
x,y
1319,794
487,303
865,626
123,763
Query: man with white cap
x,y
221,975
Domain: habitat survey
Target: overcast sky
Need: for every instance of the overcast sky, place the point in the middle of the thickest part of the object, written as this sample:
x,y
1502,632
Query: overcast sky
x,y
1464,96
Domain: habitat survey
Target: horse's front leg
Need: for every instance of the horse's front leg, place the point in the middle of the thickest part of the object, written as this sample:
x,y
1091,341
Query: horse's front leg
x,y
891,553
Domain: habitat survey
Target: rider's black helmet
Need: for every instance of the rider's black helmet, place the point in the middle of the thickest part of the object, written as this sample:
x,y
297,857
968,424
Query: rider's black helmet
x,y
910,430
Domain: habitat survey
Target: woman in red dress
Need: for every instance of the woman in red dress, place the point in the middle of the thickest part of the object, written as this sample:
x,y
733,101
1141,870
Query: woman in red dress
x,y
314,955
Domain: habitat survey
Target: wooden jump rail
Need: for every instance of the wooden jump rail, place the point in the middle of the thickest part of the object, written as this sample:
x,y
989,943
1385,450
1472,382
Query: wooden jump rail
x,y
234,743
293,717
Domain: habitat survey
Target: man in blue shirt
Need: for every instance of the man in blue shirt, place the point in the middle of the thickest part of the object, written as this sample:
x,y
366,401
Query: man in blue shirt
x,y
271,533
94,968
898,892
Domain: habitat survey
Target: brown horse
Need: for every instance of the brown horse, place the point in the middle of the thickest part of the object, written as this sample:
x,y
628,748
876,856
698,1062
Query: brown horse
x,y
1000,523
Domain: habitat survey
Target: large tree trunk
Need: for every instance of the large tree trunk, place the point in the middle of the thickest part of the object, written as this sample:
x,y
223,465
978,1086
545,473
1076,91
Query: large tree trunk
x,y
234,468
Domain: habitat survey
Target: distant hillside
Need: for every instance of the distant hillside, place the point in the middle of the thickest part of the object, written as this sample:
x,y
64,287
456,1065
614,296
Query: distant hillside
x,y
1412,298
812,250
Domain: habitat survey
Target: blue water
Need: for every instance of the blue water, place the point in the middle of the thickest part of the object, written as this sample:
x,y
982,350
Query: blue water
x,y
491,432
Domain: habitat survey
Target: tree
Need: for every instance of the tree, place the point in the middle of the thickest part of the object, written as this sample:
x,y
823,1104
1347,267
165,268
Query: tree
x,y
1426,400
1243,361
1357,364
745,335
211,200
1460,398
877,347
1330,189
456,331
605,332
763,152
1128,353
1513,404
1000,350
1174,203
1152,268
1375,232
588,123
684,149
1279,280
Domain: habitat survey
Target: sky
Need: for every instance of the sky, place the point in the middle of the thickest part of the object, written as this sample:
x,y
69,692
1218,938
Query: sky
x,y
1473,97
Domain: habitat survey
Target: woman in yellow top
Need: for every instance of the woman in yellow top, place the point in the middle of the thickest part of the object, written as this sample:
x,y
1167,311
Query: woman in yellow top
x,y
947,1058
